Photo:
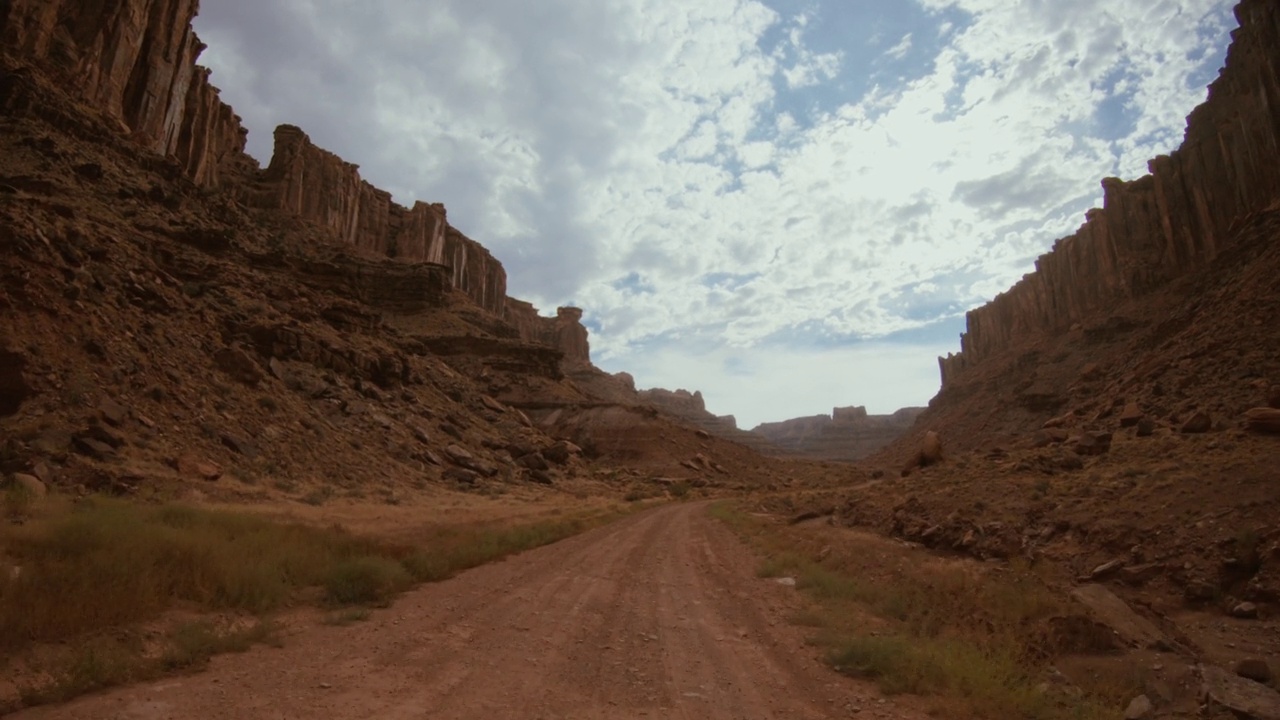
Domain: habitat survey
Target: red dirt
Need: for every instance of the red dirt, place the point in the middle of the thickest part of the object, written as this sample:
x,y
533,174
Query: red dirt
x,y
660,615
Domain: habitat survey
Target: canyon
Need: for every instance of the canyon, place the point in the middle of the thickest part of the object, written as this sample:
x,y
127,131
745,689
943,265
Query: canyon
x,y
182,325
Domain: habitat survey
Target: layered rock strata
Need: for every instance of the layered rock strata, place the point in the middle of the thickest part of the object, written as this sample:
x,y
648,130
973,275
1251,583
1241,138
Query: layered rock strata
x,y
1163,225
691,408
393,287
135,61
314,184
848,433
564,332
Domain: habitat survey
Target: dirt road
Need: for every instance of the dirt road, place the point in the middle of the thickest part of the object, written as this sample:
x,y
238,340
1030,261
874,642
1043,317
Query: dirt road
x,y
659,615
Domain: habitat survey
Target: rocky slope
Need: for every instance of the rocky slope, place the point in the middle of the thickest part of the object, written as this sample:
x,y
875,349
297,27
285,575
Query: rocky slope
x,y
1112,419
178,317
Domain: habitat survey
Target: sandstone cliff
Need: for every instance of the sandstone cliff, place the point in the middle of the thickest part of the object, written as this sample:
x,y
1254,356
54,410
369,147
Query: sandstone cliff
x,y
563,332
134,60
848,433
1165,224
690,408
314,184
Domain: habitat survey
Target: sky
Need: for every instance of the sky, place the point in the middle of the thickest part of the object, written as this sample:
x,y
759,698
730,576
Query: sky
x,y
786,204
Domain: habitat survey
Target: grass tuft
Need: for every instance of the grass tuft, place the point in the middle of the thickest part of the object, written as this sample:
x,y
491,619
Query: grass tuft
x,y
368,579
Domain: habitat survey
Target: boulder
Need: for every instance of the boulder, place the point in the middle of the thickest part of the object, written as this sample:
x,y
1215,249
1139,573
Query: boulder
x,y
1140,709
239,445
560,452
1093,443
1245,611
1060,421
29,483
1255,669
1106,608
930,449
1244,698
194,466
1199,422
458,454
13,386
1051,436
1130,415
1146,427
113,413
1263,420
238,364
533,461
461,475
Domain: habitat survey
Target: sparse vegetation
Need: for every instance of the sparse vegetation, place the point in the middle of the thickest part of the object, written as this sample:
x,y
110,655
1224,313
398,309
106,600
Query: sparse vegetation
x,y
138,562
319,496
365,579
105,660
17,500
979,642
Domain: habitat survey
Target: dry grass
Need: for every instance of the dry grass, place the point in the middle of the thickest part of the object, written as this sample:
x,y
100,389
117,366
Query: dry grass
x,y
978,640
104,660
88,572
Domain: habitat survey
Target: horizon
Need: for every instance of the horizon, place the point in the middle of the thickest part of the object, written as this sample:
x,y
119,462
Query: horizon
x,y
800,198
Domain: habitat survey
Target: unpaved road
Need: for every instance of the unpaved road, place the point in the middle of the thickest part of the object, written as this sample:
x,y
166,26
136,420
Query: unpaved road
x,y
658,615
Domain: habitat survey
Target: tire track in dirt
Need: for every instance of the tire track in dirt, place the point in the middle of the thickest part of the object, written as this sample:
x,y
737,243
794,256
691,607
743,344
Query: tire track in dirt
x,y
657,615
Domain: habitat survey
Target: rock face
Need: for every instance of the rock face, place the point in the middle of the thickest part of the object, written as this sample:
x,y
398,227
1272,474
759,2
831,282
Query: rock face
x,y
1163,225
691,409
385,285
314,184
849,433
134,60
564,332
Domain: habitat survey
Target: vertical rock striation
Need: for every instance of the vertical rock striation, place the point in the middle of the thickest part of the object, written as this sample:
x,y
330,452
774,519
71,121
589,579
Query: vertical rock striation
x,y
316,185
134,60
1165,224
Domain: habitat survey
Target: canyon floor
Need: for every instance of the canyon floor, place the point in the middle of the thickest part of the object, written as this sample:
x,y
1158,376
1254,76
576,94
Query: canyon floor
x,y
661,614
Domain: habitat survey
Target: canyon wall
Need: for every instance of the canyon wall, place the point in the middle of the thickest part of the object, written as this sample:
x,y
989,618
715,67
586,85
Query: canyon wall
x,y
1165,224
314,184
848,433
564,332
691,409
133,60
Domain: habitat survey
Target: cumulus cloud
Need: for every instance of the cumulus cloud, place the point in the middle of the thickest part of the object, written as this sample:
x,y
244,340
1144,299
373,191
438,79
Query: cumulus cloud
x,y
723,178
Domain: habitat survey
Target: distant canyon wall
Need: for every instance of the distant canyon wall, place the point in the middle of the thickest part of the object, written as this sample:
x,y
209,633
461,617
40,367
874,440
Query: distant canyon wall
x,y
1165,224
135,62
848,433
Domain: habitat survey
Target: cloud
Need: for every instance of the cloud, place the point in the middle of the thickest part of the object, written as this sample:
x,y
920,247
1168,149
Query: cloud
x,y
731,172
